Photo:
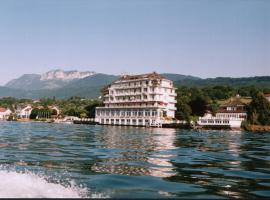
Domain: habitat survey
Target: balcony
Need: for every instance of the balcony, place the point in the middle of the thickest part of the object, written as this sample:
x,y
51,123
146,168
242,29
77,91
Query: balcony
x,y
128,101
126,87
128,94
172,101
173,94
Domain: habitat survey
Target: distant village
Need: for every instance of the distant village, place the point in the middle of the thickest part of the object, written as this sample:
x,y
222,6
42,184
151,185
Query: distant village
x,y
139,100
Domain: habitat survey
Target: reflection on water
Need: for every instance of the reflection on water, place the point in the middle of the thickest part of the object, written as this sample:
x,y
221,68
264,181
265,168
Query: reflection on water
x,y
142,145
144,162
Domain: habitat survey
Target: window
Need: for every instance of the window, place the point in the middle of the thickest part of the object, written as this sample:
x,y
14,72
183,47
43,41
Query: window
x,y
134,113
128,113
154,113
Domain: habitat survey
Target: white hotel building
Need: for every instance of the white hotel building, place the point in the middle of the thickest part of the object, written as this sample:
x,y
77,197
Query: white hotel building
x,y
138,100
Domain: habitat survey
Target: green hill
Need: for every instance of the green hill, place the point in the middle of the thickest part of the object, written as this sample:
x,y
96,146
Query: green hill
x,y
258,81
91,86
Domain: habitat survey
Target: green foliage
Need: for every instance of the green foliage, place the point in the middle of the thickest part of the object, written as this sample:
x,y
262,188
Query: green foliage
x,y
72,112
259,110
40,113
245,125
183,111
213,107
91,108
259,82
198,105
190,102
34,113
219,92
195,101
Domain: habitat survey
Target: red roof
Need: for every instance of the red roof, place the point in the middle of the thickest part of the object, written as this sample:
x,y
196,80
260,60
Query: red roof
x,y
235,102
267,95
3,109
153,75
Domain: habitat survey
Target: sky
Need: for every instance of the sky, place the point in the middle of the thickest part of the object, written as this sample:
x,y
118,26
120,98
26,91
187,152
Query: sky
x,y
204,38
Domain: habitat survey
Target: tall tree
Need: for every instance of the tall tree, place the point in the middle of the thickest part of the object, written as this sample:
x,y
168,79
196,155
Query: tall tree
x,y
259,110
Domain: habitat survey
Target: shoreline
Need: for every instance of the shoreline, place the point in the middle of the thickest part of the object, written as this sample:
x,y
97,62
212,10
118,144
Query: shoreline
x,y
249,128
257,128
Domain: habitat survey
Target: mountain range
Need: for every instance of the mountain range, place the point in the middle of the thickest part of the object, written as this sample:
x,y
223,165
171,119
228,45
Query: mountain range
x,y
64,84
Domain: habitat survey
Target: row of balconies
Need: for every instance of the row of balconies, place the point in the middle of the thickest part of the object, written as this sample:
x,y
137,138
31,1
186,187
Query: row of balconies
x,y
156,90
139,93
126,106
132,101
127,87
141,106
133,84
139,100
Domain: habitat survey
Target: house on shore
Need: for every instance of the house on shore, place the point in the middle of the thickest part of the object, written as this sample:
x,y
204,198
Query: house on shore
x,y
229,115
4,113
138,100
24,112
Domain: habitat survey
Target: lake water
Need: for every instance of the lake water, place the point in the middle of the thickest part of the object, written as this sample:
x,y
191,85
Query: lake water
x,y
60,160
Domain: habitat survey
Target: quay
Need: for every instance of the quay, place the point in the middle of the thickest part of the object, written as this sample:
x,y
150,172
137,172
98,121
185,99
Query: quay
x,y
90,121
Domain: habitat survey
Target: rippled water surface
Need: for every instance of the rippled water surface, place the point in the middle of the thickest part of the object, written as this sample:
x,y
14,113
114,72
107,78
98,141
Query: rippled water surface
x,y
59,160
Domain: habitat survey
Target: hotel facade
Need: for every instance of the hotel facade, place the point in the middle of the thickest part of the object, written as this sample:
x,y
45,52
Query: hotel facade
x,y
138,100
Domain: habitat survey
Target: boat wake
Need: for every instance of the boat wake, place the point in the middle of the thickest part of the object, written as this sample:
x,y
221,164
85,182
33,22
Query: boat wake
x,y
29,185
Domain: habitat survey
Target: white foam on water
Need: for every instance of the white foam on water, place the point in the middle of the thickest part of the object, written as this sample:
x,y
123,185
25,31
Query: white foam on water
x,y
29,185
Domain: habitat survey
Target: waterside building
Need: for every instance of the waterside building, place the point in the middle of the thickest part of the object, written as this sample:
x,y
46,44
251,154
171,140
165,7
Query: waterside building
x,y
230,114
138,100
4,113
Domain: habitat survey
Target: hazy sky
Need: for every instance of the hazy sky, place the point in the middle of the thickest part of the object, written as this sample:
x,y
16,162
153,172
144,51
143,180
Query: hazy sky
x,y
205,38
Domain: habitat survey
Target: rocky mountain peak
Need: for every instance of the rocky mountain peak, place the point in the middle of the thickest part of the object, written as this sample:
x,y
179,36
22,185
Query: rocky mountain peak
x,y
65,75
